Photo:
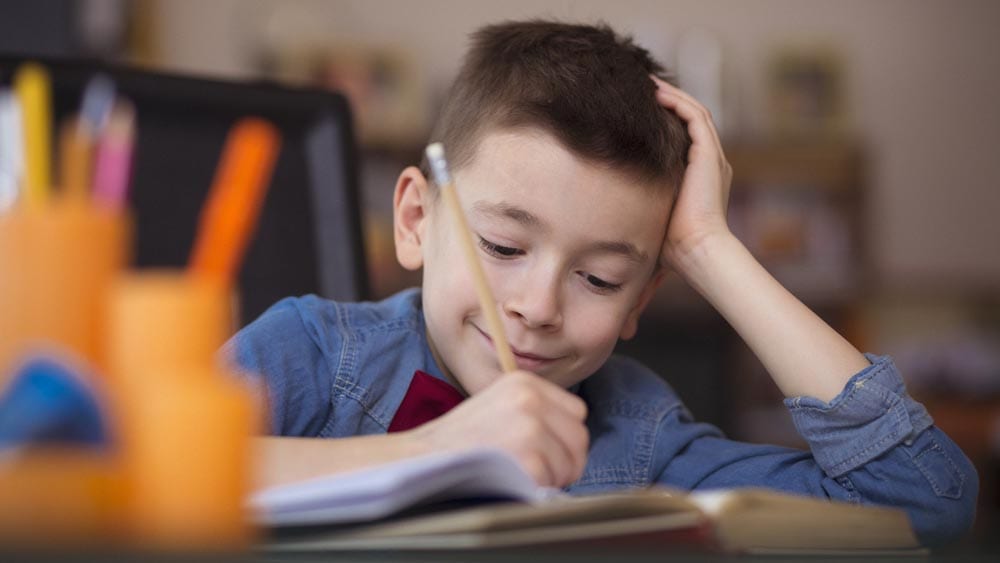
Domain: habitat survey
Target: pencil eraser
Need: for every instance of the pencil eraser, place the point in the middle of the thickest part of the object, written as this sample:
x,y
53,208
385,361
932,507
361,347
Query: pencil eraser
x,y
439,166
435,151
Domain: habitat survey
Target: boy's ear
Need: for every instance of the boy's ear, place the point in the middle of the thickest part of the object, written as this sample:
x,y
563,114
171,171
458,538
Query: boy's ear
x,y
410,207
632,321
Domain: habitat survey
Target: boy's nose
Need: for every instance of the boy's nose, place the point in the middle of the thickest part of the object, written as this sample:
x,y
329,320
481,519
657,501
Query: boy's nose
x,y
537,305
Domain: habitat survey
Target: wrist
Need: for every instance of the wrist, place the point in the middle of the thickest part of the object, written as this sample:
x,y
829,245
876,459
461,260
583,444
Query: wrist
x,y
414,442
697,257
421,440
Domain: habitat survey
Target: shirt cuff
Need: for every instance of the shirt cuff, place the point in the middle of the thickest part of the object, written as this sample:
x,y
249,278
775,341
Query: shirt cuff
x,y
870,416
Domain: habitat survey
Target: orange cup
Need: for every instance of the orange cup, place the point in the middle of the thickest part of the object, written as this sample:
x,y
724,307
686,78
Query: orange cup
x,y
187,423
56,264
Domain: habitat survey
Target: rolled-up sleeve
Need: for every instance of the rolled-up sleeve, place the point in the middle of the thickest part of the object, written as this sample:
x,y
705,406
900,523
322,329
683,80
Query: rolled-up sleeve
x,y
869,417
872,444
882,446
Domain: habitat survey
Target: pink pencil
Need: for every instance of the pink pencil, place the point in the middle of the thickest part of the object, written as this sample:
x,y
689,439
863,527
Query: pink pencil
x,y
114,157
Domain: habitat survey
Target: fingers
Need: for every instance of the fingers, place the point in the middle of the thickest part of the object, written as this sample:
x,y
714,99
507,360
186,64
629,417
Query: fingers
x,y
539,423
668,94
558,397
575,441
552,449
552,422
701,127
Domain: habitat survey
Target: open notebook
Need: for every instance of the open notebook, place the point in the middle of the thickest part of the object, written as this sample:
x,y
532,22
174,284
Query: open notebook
x,y
482,499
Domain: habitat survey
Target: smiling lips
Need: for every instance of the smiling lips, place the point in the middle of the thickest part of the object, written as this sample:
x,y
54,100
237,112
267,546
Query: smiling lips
x,y
524,360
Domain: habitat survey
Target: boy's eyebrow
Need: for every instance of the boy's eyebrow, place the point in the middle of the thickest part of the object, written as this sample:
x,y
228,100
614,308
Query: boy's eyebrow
x,y
522,216
529,219
626,249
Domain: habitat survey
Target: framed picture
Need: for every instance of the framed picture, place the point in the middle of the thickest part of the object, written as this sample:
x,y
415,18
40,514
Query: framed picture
x,y
383,84
806,92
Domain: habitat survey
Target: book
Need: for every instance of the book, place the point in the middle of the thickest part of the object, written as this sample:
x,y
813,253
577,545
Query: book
x,y
483,499
480,475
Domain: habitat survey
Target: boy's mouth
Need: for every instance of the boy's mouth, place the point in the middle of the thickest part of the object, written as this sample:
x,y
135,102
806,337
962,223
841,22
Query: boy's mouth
x,y
525,360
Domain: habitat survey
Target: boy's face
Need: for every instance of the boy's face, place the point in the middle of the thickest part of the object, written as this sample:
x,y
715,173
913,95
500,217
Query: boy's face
x,y
569,249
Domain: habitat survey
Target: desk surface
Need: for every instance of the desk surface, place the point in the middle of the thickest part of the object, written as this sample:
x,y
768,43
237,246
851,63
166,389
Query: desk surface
x,y
989,553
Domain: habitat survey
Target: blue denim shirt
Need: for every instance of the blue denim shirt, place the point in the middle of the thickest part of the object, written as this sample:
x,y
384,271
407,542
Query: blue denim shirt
x,y
341,369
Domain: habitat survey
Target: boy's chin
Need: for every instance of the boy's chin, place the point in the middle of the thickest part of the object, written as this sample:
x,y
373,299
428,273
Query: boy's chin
x,y
473,379
477,377
476,385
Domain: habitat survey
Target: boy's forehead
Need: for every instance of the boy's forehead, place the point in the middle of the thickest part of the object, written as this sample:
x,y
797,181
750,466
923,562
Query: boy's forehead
x,y
500,151
514,155
528,178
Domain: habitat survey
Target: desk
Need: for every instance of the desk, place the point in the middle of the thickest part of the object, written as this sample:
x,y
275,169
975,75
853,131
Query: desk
x,y
962,553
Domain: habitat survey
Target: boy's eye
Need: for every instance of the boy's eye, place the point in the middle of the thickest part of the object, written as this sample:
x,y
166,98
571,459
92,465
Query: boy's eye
x,y
601,285
497,250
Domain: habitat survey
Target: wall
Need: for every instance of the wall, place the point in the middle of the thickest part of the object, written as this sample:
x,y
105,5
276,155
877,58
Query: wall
x,y
922,83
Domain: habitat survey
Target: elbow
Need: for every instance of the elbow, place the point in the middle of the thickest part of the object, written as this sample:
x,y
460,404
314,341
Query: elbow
x,y
931,479
945,508
947,520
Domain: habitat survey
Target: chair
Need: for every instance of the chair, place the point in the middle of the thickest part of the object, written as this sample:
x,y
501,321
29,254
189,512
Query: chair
x,y
309,238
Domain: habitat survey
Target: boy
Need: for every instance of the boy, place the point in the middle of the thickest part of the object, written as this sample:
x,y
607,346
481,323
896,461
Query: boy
x,y
583,178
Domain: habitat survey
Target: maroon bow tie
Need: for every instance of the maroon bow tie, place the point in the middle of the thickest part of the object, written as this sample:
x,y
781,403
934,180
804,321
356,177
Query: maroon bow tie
x,y
426,399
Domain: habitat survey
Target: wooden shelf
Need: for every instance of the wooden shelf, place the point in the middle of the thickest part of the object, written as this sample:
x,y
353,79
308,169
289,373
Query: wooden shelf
x,y
825,166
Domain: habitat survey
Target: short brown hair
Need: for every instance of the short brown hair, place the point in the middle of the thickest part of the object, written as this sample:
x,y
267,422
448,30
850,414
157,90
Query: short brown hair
x,y
583,84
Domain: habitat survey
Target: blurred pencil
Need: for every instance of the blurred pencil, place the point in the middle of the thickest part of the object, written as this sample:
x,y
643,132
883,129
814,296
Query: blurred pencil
x,y
34,93
11,153
96,104
79,138
114,157
235,199
76,148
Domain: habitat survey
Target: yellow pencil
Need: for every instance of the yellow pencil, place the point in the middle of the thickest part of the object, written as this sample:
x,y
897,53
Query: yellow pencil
x,y
439,166
34,92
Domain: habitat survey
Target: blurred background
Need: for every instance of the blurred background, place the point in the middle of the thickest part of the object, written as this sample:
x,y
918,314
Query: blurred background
x,y
864,137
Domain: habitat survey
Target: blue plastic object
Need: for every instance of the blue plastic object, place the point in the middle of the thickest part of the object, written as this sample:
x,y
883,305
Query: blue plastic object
x,y
47,402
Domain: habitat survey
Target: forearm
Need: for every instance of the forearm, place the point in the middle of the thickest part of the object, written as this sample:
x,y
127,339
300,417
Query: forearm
x,y
803,354
280,460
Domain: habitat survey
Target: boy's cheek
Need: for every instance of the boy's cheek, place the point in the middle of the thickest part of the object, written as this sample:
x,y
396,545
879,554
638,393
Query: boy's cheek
x,y
448,287
596,332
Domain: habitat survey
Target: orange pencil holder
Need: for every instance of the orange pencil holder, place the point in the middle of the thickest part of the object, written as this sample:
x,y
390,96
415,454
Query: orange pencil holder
x,y
60,498
56,264
187,422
